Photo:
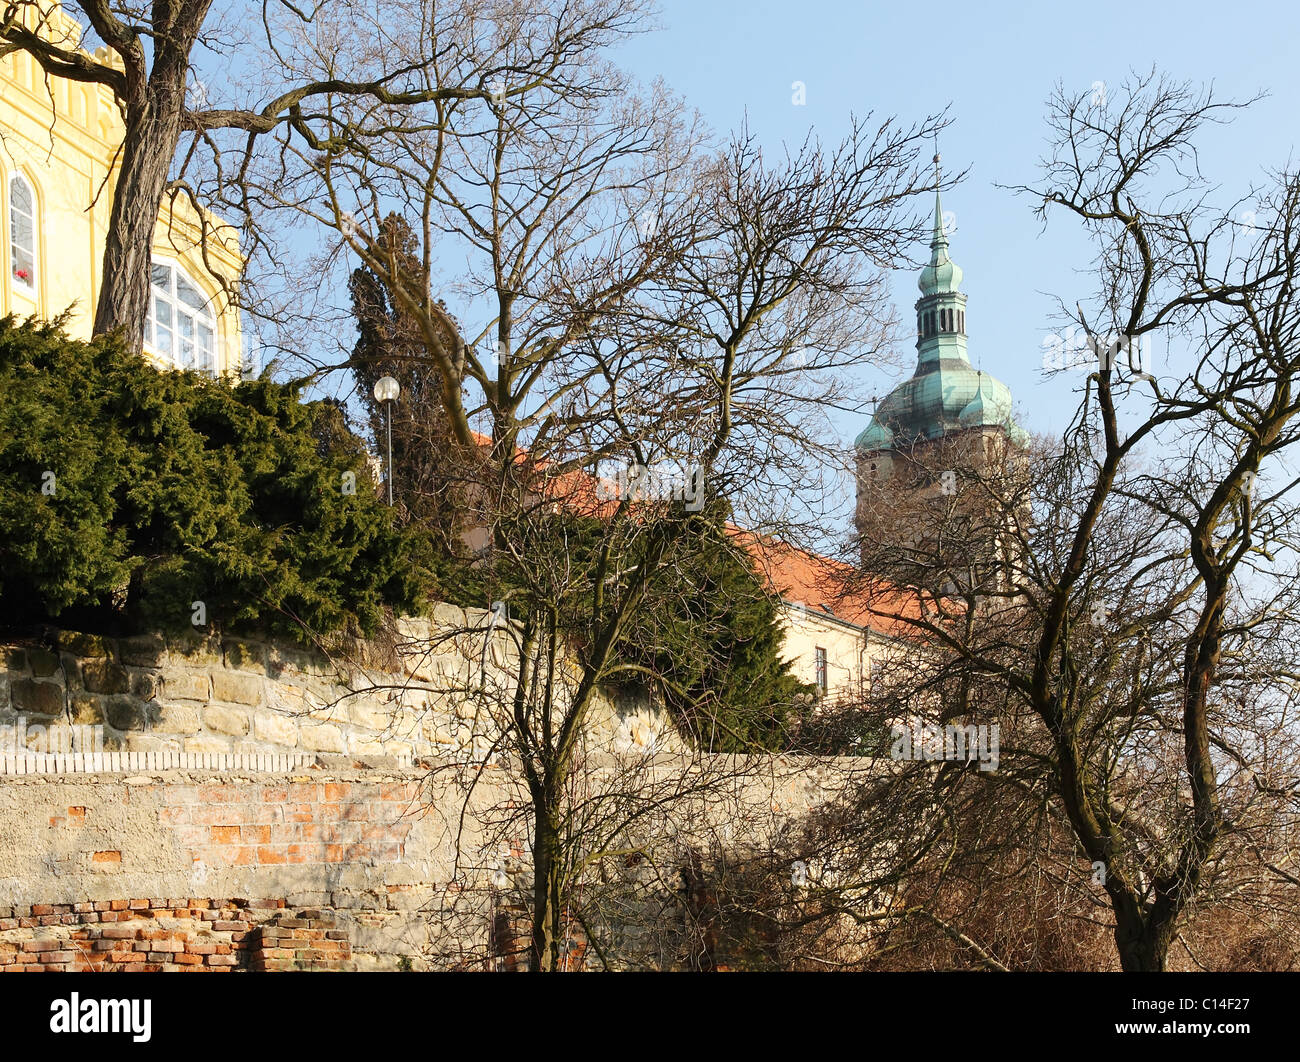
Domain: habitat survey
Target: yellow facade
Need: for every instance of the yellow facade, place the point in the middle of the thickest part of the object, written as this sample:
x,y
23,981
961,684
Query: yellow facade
x,y
829,653
58,143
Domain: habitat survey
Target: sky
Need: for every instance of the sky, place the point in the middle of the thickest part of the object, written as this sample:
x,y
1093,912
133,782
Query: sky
x,y
994,65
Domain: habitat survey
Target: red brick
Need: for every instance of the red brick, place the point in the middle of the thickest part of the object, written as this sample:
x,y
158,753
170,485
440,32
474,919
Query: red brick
x,y
42,909
337,790
269,854
186,959
221,960
57,956
106,857
255,834
138,905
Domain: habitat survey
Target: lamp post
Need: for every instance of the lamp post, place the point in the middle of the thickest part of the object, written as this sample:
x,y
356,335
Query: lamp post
x,y
386,390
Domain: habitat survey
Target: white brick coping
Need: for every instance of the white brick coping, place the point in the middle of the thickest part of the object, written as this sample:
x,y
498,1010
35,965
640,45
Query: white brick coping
x,y
12,763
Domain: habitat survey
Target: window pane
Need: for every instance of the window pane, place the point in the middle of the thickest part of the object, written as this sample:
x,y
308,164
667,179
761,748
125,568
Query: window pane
x,y
20,196
186,335
162,314
22,233
189,294
161,277
207,347
24,267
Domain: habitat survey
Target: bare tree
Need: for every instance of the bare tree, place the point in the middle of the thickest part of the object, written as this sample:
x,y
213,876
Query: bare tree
x,y
1135,640
640,304
333,51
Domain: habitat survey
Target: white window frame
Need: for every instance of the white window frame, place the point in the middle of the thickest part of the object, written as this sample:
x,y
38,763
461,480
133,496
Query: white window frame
x,y
179,310
28,286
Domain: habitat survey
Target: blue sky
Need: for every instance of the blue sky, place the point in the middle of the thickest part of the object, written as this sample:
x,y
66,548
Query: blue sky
x,y
996,65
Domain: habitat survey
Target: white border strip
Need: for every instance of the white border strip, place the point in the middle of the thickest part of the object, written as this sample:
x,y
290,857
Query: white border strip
x,y
132,762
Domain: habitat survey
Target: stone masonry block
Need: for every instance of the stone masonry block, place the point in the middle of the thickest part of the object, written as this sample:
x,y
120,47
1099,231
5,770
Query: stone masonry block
x,y
225,720
237,688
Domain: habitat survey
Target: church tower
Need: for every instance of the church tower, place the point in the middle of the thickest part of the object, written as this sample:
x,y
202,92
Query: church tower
x,y
938,436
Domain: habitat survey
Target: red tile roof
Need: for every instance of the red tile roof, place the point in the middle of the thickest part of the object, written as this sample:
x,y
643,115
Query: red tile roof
x,y
798,576
831,587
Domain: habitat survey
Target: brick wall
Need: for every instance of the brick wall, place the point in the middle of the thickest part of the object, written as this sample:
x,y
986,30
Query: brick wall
x,y
376,850
186,934
300,823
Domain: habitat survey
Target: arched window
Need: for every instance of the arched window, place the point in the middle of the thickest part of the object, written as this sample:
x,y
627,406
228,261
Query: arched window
x,y
181,325
961,321
22,234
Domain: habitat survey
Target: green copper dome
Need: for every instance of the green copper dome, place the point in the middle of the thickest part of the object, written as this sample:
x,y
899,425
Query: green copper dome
x,y
946,392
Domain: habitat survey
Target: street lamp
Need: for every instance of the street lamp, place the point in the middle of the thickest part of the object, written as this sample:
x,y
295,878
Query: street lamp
x,y
386,390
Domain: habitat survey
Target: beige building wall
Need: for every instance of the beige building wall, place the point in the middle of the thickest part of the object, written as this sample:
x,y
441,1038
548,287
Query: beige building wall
x,y
848,651
58,143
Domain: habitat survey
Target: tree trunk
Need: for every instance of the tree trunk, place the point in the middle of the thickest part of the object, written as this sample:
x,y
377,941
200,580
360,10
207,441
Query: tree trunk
x,y
548,935
152,135
1143,943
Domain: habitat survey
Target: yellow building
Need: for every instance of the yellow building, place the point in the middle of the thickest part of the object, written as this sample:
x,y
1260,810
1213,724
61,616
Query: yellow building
x,y
58,142
838,628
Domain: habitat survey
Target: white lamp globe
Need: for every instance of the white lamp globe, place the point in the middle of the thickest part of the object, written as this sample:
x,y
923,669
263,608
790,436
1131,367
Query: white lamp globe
x,y
386,389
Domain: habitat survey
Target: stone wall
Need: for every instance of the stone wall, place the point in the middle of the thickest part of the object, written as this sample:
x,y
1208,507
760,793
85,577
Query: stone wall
x,y
360,798
371,848
193,695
